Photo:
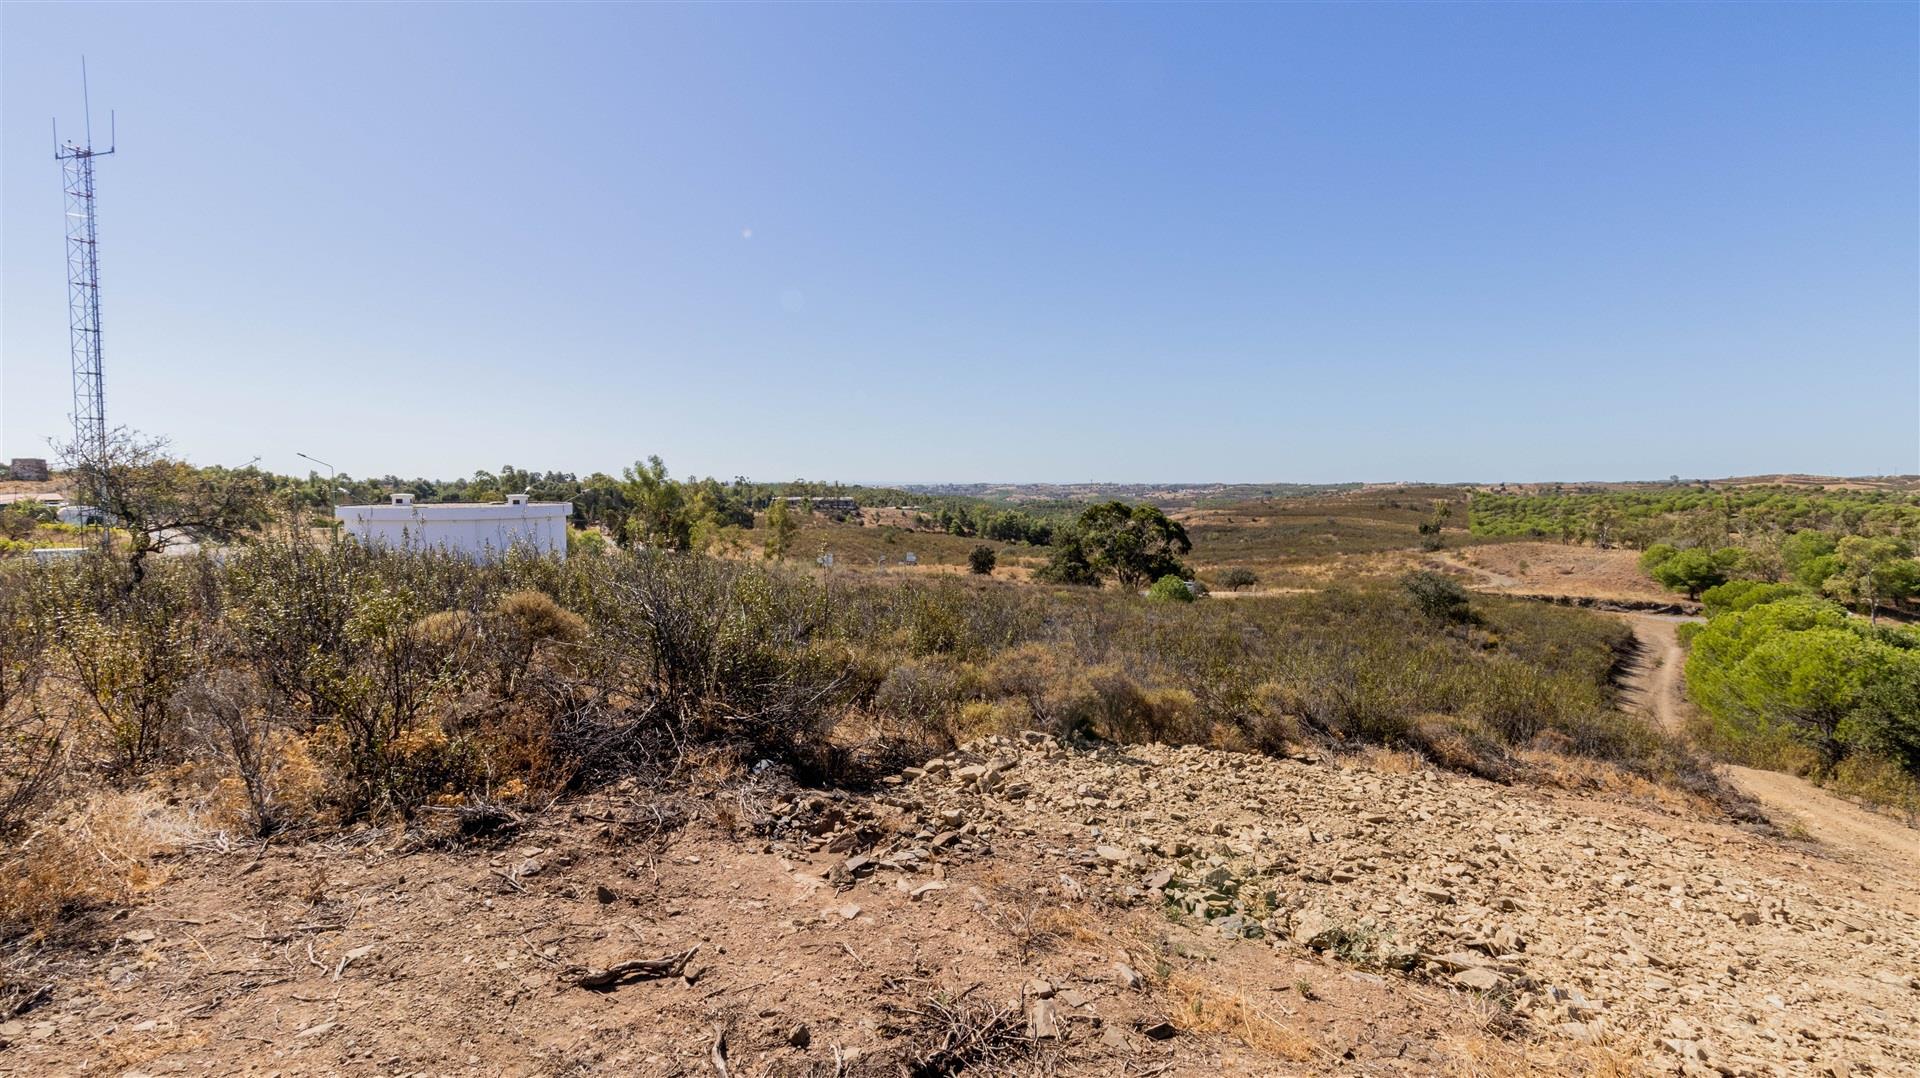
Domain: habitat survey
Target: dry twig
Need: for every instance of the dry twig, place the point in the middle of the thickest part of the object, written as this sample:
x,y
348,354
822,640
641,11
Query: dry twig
x,y
639,969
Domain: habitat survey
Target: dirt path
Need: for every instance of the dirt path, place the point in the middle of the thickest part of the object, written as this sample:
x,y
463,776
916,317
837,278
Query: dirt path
x,y
1879,843
1653,685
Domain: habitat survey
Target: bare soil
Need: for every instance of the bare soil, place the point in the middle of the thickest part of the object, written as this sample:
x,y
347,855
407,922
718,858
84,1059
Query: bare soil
x,y
1018,907
1530,568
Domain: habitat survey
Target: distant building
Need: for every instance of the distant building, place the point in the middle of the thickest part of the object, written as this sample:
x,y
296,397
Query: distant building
x,y
83,514
824,505
478,530
27,469
60,553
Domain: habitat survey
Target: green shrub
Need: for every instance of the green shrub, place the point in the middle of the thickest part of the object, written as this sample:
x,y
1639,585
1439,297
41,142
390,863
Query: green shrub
x,y
1438,596
1170,589
1737,595
1792,681
981,560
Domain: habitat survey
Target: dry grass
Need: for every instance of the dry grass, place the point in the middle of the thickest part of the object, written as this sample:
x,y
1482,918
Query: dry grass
x,y
1200,1006
1392,761
101,850
1582,773
1483,1055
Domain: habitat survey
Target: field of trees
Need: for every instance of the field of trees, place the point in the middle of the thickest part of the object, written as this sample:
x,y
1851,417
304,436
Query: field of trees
x,y
1790,681
1695,516
1793,669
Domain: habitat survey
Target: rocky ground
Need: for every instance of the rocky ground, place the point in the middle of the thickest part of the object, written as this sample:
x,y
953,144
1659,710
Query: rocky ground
x,y
1702,947
1017,907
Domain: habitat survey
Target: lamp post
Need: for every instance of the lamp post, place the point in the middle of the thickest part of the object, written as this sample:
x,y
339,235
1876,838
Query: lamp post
x,y
331,486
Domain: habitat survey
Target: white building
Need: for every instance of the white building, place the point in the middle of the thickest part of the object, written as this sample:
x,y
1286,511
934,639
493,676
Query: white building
x,y
83,514
471,528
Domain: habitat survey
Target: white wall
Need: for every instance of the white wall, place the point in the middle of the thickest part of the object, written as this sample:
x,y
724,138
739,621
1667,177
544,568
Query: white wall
x,y
478,531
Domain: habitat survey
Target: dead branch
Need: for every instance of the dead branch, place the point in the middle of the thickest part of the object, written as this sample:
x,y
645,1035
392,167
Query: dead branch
x,y
720,1051
639,969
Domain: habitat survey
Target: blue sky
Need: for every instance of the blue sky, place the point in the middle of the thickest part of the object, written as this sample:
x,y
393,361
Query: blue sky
x,y
1010,242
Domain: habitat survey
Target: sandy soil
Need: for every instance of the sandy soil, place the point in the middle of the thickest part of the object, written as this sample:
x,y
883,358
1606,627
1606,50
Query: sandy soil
x,y
1559,569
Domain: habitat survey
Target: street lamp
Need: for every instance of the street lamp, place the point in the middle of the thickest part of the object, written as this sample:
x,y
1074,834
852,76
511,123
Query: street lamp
x,y
331,486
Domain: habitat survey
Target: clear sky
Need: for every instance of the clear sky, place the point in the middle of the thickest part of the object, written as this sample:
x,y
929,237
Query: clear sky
x,y
960,242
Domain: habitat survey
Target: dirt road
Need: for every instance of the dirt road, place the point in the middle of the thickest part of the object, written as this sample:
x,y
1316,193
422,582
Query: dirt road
x,y
1879,843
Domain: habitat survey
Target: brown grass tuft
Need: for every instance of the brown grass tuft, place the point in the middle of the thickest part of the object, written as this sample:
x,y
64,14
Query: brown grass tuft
x,y
100,851
1199,1006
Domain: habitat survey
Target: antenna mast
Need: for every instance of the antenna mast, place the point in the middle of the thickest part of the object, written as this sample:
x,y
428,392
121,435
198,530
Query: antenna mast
x,y
83,297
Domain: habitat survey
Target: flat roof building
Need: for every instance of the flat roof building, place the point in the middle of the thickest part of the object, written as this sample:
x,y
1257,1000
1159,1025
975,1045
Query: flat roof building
x,y
478,530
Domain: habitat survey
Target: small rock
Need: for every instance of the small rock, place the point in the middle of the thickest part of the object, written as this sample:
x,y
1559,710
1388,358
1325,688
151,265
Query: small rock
x,y
1044,1020
1478,978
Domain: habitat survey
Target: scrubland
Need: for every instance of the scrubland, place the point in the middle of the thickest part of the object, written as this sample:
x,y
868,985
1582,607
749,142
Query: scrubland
x,y
908,821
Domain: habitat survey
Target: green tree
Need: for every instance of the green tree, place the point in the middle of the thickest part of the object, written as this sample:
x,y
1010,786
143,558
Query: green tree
x,y
982,560
1069,562
780,530
161,501
1655,556
1432,535
1134,544
1803,547
1691,571
1816,571
1811,680
657,514
1872,573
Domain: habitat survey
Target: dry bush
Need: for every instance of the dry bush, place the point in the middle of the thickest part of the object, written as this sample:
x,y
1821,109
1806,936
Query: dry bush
x,y
535,616
923,695
451,637
226,709
1272,723
1461,745
1200,1006
1879,782
99,851
125,655
953,1035
528,619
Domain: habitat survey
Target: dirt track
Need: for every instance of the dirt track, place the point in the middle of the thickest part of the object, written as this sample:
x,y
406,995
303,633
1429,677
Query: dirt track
x,y
1879,844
